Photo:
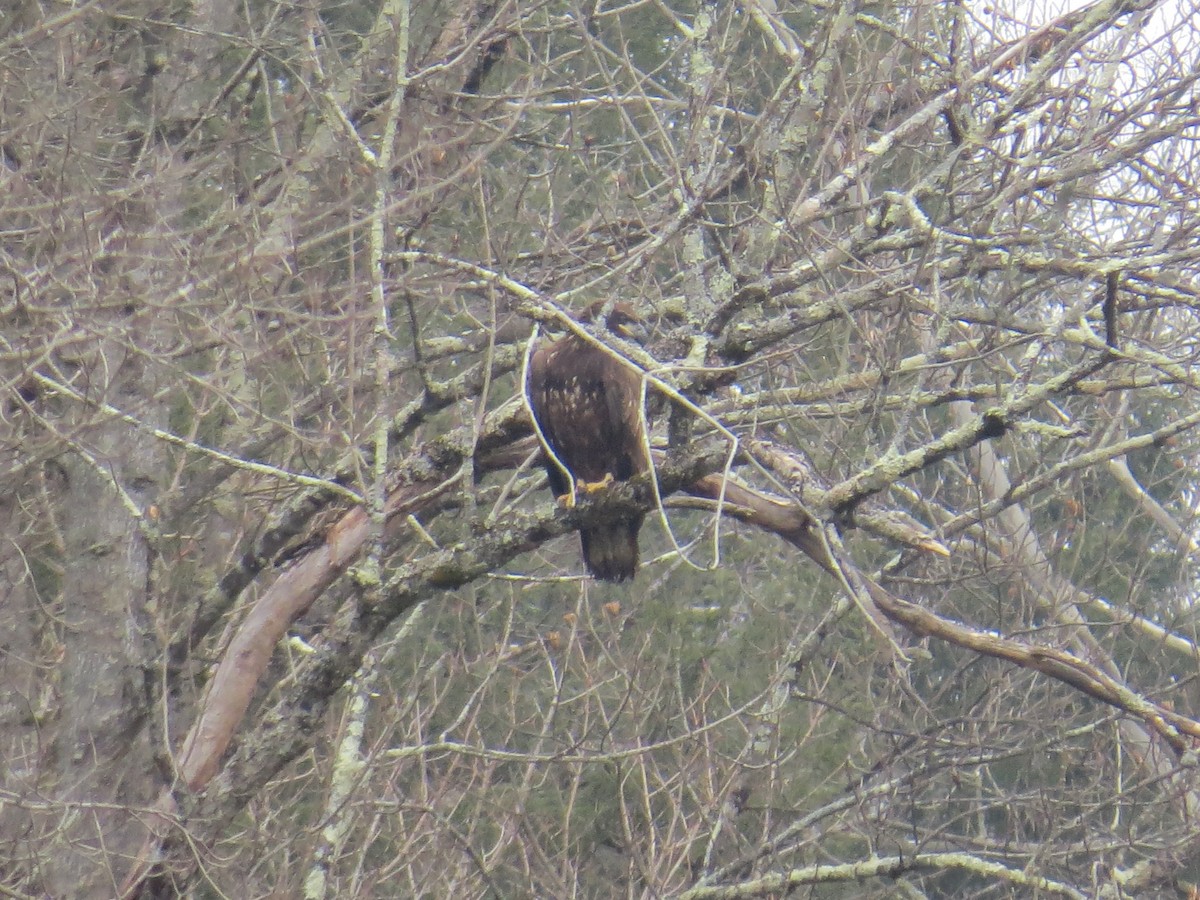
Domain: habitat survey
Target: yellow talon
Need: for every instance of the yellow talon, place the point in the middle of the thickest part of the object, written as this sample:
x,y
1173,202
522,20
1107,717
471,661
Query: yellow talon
x,y
594,487
567,501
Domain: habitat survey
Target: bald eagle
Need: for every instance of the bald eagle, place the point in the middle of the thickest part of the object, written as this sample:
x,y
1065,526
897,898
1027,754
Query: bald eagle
x,y
588,407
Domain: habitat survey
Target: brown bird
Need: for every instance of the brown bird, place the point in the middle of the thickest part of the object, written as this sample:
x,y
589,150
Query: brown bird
x,y
588,407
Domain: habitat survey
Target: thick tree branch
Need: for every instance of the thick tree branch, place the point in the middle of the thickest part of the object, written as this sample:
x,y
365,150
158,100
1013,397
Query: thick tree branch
x,y
891,867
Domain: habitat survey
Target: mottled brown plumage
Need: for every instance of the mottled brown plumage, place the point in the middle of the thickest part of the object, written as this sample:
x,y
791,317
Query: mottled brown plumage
x,y
588,407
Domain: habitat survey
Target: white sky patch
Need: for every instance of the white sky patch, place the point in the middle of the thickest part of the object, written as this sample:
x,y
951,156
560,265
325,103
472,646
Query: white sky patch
x,y
1130,87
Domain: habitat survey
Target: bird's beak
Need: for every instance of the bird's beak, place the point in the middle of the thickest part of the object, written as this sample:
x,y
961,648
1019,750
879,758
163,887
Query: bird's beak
x,y
633,331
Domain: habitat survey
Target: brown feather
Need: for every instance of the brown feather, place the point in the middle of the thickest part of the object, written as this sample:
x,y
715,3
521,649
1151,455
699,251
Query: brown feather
x,y
587,405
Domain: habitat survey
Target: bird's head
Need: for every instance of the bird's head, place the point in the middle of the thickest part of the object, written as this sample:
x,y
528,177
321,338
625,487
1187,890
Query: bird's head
x,y
622,320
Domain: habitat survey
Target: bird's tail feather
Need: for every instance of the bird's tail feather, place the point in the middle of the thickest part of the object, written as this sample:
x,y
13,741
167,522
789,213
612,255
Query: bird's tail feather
x,y
610,552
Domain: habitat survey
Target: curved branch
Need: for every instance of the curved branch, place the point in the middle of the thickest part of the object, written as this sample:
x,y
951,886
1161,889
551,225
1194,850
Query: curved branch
x,y
777,884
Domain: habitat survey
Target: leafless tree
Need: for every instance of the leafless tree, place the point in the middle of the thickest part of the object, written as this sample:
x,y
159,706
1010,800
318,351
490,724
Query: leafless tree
x,y
287,608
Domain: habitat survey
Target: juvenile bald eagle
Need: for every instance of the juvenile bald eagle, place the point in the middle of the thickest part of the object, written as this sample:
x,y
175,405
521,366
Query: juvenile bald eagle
x,y
588,407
